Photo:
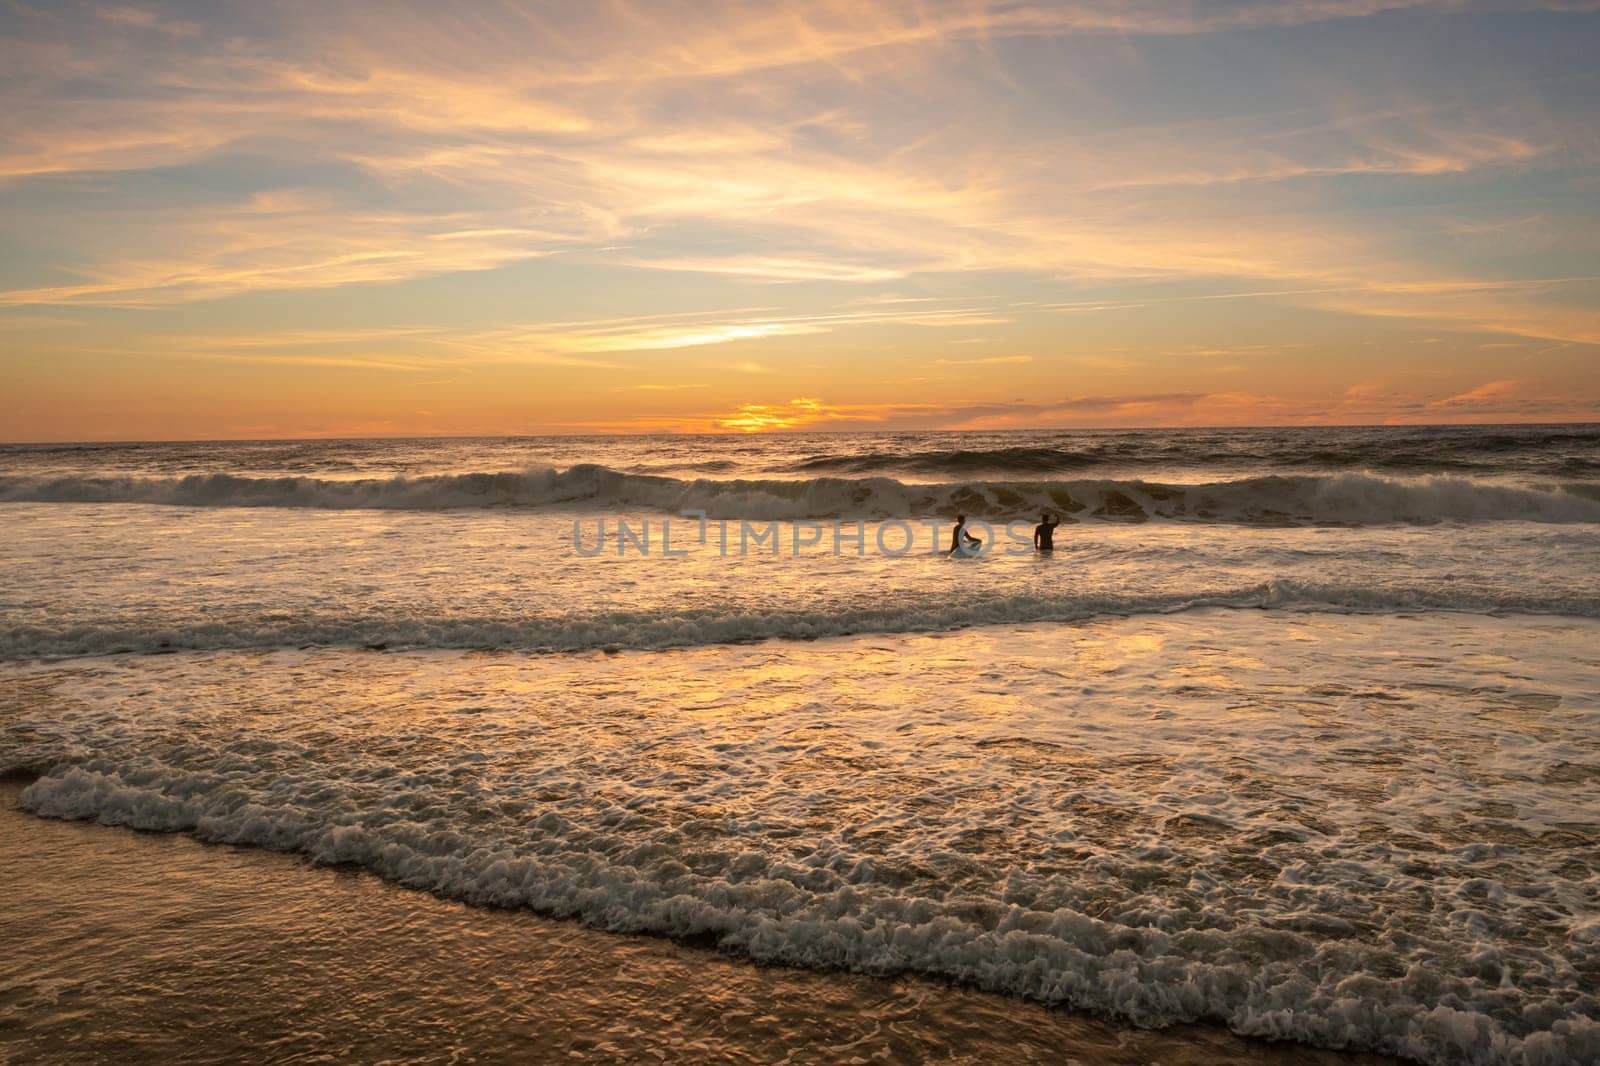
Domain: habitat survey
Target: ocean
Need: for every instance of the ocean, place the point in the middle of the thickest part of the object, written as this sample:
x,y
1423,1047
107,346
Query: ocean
x,y
1296,733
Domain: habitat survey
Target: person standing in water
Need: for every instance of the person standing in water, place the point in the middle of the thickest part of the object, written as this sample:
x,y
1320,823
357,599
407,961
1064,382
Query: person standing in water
x,y
1044,534
962,542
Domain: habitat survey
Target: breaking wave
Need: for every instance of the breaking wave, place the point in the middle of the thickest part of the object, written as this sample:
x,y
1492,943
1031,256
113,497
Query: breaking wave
x,y
830,912
1338,499
649,630
1551,454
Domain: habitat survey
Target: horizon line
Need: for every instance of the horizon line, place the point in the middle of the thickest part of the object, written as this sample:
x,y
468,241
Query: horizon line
x,y
796,433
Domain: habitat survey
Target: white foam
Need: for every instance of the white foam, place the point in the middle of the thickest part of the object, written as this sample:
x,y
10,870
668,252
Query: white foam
x,y
1256,983
1348,498
1296,848
670,626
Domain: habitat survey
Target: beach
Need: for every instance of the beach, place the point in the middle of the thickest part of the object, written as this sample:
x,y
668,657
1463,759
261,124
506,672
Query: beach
x,y
151,947
1253,756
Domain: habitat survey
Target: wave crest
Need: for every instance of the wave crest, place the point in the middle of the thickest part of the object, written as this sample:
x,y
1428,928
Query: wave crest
x,y
1338,499
650,630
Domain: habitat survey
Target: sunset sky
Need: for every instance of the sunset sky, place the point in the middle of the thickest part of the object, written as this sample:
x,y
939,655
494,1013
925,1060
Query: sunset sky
x,y
330,219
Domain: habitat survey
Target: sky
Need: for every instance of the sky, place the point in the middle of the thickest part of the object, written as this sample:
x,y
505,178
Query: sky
x,y
266,220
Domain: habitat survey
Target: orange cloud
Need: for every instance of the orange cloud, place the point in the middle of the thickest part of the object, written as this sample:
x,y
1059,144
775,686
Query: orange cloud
x,y
1490,394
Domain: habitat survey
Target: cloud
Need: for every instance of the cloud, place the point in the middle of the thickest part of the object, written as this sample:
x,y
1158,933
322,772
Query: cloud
x,y
768,268
348,362
1489,394
280,243
879,169
1503,305
987,360
705,329
605,344
580,149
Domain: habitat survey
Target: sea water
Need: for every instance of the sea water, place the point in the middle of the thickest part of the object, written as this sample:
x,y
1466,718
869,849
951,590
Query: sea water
x,y
1297,731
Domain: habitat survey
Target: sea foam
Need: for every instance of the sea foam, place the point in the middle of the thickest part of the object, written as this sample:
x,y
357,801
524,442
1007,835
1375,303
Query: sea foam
x,y
669,626
1338,499
1183,827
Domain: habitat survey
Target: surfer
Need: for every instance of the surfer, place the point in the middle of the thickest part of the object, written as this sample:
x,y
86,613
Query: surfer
x,y
962,542
1044,533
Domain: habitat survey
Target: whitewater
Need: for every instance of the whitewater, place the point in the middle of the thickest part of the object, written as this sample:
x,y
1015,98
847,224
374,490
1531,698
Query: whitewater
x,y
1297,732
1345,499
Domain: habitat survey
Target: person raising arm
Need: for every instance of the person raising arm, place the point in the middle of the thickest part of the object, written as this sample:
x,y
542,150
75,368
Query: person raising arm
x,y
1045,532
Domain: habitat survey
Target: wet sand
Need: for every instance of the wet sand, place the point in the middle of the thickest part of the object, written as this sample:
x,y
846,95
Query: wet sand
x,y
126,946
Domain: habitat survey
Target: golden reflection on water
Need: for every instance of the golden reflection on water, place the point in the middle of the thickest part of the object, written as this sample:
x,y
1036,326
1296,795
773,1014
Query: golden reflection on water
x,y
1196,785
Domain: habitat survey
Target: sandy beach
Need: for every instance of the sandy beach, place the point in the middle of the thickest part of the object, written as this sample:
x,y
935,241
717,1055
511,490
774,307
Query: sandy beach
x,y
149,947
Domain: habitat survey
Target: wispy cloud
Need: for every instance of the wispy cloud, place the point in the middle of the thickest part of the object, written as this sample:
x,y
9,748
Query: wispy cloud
x,y
282,243
1490,394
987,360
1068,176
348,362
701,330
582,139
768,268
597,344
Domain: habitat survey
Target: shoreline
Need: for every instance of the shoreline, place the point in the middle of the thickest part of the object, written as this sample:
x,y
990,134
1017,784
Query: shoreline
x,y
159,946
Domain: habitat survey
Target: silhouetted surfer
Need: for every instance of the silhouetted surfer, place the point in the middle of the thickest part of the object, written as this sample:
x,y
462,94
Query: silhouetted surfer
x,y
1044,534
962,542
